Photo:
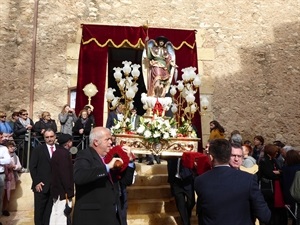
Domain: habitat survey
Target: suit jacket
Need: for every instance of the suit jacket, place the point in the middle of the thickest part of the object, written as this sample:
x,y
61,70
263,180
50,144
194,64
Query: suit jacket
x,y
227,196
40,167
97,194
62,181
112,116
186,174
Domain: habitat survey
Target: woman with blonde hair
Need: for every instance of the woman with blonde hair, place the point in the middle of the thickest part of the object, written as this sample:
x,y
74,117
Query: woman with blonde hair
x,y
45,123
67,119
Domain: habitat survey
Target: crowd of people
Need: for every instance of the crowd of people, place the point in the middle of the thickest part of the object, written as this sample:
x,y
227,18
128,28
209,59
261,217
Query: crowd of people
x,y
274,166
54,174
252,180
28,134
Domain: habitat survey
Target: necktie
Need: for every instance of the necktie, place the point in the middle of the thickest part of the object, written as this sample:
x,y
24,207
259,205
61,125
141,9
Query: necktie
x,y
109,175
52,150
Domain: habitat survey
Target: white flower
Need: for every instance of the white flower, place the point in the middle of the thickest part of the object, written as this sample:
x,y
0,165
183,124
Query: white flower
x,y
166,136
173,132
147,134
159,126
141,129
156,134
117,126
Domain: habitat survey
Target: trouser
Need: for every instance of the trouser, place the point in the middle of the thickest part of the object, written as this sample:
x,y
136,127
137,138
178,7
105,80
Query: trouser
x,y
185,200
42,208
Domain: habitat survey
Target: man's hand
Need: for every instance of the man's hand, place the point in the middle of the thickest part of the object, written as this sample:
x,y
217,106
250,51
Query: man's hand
x,y
39,187
128,151
112,162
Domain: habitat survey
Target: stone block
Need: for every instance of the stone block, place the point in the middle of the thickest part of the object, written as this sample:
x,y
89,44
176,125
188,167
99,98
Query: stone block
x,y
73,50
206,54
72,66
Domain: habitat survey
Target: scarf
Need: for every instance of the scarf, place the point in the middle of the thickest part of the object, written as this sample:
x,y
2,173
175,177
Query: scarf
x,y
24,122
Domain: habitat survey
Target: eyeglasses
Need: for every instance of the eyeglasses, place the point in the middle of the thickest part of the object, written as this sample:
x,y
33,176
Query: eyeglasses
x,y
2,116
24,114
237,156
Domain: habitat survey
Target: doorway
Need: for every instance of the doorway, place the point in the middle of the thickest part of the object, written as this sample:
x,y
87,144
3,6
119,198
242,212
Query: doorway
x,y
115,58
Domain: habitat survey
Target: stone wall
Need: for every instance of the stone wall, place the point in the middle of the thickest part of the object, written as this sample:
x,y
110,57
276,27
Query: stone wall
x,y
251,73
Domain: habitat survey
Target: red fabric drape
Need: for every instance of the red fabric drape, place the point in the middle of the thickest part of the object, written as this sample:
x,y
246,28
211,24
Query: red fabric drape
x,y
93,58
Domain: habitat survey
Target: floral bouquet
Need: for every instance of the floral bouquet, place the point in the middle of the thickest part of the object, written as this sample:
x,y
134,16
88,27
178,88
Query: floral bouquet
x,y
186,130
121,126
157,128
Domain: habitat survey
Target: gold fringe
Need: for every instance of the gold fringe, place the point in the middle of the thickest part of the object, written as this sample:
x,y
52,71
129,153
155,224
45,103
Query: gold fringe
x,y
139,43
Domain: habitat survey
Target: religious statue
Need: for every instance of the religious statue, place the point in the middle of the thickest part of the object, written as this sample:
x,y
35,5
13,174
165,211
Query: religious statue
x,y
161,67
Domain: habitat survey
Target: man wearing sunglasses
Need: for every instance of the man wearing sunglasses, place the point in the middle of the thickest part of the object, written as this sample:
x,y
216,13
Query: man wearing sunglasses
x,y
5,128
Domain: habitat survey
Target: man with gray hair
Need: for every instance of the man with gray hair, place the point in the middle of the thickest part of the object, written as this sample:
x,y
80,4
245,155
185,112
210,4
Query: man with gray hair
x,y
97,189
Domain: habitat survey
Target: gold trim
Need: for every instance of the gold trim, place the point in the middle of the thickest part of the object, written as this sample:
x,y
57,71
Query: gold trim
x,y
171,147
139,43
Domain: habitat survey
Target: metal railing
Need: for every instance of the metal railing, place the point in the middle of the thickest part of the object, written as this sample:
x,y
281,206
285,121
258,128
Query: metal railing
x,y
25,145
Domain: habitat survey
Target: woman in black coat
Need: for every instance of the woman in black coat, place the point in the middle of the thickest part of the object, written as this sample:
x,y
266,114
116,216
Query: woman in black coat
x,y
44,124
268,174
83,125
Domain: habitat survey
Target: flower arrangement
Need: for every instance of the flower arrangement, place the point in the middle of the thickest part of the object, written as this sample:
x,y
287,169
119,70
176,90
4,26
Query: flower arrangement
x,y
186,130
156,129
120,127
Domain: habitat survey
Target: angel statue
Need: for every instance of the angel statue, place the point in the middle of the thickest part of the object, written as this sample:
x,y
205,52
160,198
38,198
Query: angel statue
x,y
161,66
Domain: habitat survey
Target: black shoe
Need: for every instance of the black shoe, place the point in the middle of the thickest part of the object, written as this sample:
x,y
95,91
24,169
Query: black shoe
x,y
150,163
140,160
5,213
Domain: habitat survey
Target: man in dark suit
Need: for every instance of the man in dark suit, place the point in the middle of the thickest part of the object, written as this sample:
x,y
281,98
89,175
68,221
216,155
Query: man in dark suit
x,y
40,171
116,115
227,196
97,190
181,181
62,182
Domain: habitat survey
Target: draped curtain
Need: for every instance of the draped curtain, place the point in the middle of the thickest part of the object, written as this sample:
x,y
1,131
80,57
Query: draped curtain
x,y
93,58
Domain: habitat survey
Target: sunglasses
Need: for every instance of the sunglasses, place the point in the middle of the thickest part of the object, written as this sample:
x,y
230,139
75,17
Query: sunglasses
x,y
2,116
25,114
